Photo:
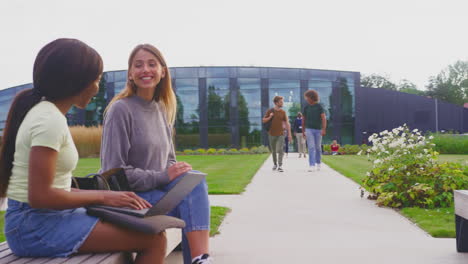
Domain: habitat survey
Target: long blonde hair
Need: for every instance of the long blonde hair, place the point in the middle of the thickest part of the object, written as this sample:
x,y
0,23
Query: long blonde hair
x,y
163,92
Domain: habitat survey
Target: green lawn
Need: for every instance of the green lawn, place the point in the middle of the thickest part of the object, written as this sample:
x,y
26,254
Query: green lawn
x,y
437,222
217,216
352,166
227,174
2,223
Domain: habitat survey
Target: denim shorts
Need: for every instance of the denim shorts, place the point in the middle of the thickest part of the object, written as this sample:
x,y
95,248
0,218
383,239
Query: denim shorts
x,y
44,232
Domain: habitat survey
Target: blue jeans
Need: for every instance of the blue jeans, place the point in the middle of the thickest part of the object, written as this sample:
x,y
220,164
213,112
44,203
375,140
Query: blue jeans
x,y
314,145
194,209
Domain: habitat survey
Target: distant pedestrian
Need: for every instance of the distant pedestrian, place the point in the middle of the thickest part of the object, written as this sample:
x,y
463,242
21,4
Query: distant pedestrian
x,y
315,124
286,143
300,139
276,136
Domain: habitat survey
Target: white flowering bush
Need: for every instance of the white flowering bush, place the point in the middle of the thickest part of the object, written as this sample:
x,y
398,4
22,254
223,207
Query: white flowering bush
x,y
405,171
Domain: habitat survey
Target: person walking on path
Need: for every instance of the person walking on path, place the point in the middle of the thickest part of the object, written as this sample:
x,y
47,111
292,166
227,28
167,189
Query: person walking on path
x,y
300,139
276,136
286,142
315,124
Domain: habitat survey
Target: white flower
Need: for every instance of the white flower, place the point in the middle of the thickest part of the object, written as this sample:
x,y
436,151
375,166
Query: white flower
x,y
359,153
377,161
431,137
390,169
415,130
421,168
368,173
408,174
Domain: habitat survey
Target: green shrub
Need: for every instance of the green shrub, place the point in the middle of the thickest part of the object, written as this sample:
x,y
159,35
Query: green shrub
x,y
200,151
350,149
244,150
405,172
211,151
232,151
259,150
347,149
179,152
221,151
188,152
450,144
364,148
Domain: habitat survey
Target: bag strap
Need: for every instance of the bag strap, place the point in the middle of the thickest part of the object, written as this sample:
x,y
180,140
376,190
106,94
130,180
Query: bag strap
x,y
75,182
97,175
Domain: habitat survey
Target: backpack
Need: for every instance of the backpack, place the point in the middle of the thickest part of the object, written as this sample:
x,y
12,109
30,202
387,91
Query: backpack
x,y
266,126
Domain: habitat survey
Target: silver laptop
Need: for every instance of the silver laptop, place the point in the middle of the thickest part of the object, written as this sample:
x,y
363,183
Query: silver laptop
x,y
169,201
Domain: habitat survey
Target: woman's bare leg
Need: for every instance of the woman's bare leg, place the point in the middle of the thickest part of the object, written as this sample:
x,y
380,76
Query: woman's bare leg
x,y
106,237
199,242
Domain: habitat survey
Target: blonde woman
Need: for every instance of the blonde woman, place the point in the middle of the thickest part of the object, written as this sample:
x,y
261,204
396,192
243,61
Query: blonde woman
x,y
137,136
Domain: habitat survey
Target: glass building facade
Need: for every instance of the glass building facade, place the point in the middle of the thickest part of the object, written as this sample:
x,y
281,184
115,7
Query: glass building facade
x,y
222,107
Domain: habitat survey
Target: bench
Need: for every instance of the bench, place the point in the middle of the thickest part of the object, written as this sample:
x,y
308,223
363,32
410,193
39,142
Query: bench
x,y
174,237
461,219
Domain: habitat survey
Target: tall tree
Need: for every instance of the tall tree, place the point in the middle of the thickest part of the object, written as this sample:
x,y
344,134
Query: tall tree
x,y
451,84
407,86
378,81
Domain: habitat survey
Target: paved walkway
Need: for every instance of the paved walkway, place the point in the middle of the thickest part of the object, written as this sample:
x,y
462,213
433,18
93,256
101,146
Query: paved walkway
x,y
303,217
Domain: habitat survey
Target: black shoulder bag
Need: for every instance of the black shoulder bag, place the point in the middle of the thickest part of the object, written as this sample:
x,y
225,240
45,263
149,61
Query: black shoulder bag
x,y
113,179
116,180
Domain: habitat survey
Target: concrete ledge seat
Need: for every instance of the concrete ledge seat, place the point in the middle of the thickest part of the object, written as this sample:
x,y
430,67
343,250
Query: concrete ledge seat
x,y
461,219
174,237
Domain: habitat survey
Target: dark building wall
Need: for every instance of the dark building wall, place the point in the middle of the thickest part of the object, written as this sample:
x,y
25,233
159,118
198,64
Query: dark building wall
x,y
381,109
450,117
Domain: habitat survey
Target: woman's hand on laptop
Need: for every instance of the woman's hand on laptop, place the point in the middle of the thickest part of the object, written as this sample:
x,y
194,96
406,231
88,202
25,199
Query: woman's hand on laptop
x,y
124,199
178,169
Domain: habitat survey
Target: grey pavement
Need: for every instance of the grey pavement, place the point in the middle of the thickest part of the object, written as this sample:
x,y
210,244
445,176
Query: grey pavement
x,y
317,217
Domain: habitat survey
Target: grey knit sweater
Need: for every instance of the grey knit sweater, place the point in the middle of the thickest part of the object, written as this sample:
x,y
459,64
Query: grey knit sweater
x,y
137,137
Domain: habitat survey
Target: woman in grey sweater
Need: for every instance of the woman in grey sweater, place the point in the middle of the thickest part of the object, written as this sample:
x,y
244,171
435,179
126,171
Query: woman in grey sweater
x,y
137,136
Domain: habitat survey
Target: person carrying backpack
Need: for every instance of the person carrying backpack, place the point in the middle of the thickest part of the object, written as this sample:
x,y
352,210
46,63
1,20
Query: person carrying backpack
x,y
278,119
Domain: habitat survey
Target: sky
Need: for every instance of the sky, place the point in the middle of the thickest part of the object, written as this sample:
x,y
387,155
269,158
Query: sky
x,y
400,39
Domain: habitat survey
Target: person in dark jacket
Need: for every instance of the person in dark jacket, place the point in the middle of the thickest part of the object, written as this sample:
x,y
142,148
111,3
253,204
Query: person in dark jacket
x,y
300,139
